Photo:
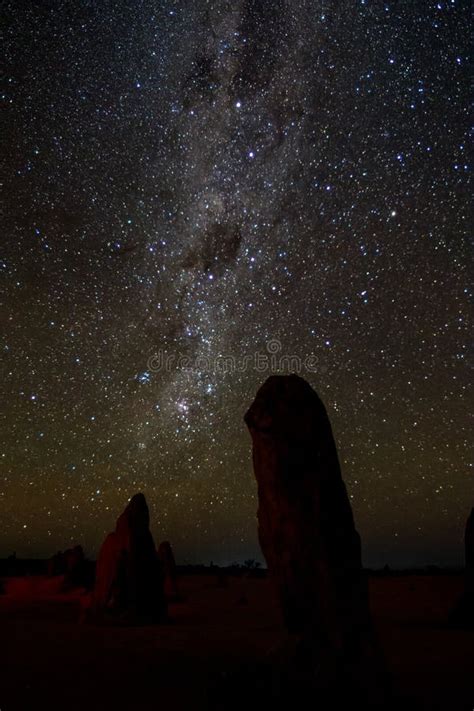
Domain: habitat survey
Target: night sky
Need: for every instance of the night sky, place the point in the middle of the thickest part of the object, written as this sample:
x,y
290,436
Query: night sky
x,y
206,181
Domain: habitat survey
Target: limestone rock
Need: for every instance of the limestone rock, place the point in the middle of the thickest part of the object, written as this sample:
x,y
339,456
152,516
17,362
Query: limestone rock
x,y
129,580
307,533
463,613
71,564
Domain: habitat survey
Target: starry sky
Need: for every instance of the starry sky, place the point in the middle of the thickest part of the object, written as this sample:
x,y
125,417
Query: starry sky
x,y
201,193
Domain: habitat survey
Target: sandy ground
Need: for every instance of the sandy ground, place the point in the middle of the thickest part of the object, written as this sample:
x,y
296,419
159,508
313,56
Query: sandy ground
x,y
49,661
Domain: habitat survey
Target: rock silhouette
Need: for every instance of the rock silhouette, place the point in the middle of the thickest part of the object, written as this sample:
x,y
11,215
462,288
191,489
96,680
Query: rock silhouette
x,y
307,534
129,580
56,564
74,561
71,563
469,546
463,613
166,556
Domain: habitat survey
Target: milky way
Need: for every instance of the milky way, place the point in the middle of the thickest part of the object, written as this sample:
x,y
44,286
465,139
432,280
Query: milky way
x,y
199,193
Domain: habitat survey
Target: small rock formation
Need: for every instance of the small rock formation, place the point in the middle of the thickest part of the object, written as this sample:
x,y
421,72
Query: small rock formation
x,y
129,580
469,547
463,613
56,565
74,563
71,564
166,556
307,535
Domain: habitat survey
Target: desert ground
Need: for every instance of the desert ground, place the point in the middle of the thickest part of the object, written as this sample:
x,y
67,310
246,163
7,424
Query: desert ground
x,y
199,660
